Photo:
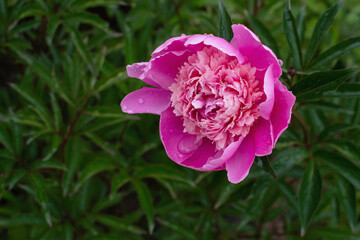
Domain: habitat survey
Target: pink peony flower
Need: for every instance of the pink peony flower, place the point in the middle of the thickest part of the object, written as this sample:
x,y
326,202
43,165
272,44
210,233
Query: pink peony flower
x,y
220,103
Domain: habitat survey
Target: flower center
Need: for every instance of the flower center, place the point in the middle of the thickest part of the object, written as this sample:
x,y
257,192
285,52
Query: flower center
x,y
217,96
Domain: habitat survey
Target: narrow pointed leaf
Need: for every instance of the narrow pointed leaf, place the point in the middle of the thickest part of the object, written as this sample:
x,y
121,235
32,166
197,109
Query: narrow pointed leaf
x,y
336,51
341,165
225,23
146,203
309,195
347,198
292,37
313,86
321,27
267,166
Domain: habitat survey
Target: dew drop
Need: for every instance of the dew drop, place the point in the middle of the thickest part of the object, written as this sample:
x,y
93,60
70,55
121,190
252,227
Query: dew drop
x,y
180,155
124,107
188,145
280,62
140,100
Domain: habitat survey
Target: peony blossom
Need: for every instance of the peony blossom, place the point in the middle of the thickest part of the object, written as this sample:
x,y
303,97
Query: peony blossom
x,y
220,103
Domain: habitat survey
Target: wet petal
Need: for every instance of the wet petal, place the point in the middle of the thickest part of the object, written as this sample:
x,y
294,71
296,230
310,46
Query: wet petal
x,y
281,113
138,70
172,134
146,100
238,166
262,134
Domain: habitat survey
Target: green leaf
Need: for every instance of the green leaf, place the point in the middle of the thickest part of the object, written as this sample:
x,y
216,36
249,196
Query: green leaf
x,y
313,86
264,34
301,23
81,47
4,11
321,27
83,4
341,165
15,178
51,164
117,223
225,194
5,139
38,106
225,23
110,81
118,181
329,233
68,231
286,159
39,185
32,219
55,144
265,164
309,195
146,203
94,167
335,52
160,171
345,90
87,18
288,193
292,37
347,198
56,112
186,233
54,23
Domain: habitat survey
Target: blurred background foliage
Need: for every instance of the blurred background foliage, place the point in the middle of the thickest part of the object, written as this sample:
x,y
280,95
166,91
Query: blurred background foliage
x,y
73,166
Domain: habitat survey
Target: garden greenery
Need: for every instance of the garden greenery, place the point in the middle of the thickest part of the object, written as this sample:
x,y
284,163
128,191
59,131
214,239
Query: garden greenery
x,y
74,166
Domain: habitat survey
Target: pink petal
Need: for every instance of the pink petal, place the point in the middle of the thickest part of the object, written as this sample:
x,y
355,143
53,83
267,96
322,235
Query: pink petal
x,y
215,163
281,113
216,42
163,69
206,151
138,70
238,166
172,44
146,100
262,134
251,48
172,134
267,106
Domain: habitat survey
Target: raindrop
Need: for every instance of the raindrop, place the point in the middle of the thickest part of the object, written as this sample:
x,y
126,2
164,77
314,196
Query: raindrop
x,y
188,144
280,62
140,100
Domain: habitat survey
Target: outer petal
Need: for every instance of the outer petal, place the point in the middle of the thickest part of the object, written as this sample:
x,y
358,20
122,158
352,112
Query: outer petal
x,y
281,113
146,100
138,70
215,163
251,48
267,106
206,151
172,44
216,42
238,166
163,69
262,134
172,136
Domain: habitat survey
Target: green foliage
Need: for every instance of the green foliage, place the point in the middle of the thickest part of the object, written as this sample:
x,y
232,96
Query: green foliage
x,y
74,166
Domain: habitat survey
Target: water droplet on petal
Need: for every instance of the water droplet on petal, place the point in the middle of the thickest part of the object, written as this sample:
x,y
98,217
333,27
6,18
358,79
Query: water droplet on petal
x,y
180,155
129,111
140,100
188,144
280,62
124,107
